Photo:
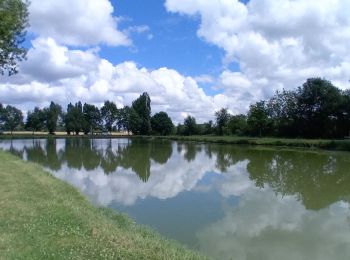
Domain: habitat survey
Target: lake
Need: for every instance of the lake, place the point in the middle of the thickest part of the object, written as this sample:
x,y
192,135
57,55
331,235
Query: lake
x,y
226,201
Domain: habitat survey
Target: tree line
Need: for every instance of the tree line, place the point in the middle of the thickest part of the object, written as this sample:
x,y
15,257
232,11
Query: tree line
x,y
89,119
317,109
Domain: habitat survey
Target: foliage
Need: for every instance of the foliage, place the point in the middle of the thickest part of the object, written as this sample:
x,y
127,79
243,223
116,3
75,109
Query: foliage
x,y
2,111
141,115
258,119
92,118
317,109
109,114
53,112
74,118
208,128
221,117
13,21
10,118
135,122
35,120
237,125
190,126
162,124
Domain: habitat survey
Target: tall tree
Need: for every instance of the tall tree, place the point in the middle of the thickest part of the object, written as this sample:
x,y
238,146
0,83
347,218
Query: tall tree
x,y
109,113
142,107
258,120
12,118
190,126
134,121
222,117
35,120
13,21
318,107
2,111
282,108
74,118
208,128
162,124
53,112
69,119
237,124
92,118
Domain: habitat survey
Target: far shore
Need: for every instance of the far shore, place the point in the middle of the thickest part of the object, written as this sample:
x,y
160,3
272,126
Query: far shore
x,y
325,144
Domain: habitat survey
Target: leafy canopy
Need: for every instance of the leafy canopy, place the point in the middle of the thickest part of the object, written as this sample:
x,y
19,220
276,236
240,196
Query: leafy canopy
x,y
13,21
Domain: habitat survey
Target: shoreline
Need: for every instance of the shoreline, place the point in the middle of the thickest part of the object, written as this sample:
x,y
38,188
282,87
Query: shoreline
x,y
322,144
43,217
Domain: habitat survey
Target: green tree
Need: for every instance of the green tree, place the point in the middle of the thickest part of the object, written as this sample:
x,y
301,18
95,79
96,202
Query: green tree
x,y
190,126
237,124
162,124
13,21
134,121
74,118
124,119
222,117
208,128
180,129
68,119
319,103
142,107
53,112
258,120
109,114
92,118
11,117
35,120
282,108
2,111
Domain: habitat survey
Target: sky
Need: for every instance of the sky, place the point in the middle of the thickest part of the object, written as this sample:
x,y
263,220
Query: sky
x,y
192,56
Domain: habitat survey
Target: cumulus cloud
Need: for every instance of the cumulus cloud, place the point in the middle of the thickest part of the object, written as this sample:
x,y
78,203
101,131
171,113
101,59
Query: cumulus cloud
x,y
55,72
78,22
277,44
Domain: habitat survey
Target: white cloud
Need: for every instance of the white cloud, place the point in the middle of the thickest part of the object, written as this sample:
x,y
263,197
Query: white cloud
x,y
54,72
266,226
204,79
77,23
277,44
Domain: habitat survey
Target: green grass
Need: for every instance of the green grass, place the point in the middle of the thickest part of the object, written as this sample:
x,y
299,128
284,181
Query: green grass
x,y
340,145
42,217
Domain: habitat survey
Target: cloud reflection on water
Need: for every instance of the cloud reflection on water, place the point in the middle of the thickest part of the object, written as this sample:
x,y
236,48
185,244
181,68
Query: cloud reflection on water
x,y
289,205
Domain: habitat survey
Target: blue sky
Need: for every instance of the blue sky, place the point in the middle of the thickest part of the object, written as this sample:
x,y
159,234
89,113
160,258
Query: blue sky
x,y
174,42
192,56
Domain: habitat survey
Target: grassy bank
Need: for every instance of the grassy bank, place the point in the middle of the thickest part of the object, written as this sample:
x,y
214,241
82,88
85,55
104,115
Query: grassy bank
x,y
339,145
42,217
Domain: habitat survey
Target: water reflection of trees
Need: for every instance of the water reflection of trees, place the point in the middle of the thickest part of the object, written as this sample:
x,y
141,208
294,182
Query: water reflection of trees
x,y
318,179
136,154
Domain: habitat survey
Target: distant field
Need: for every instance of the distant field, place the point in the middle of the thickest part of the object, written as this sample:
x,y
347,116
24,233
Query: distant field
x,y
42,217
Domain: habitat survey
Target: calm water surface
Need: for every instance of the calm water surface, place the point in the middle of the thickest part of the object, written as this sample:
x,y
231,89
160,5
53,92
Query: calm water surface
x,y
225,201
